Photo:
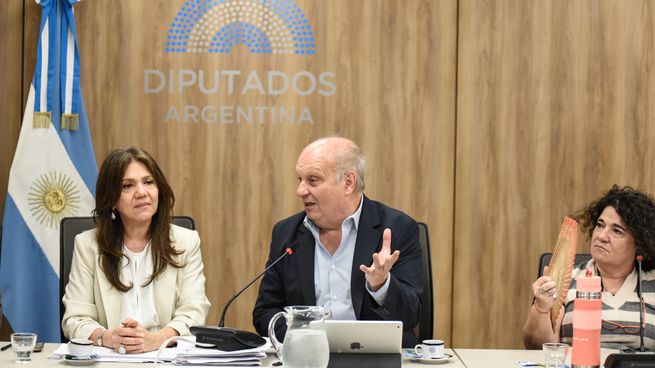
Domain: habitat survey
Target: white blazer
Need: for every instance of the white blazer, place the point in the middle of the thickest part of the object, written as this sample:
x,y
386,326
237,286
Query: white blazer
x,y
92,302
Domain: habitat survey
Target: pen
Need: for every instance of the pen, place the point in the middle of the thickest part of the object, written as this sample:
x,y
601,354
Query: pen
x,y
5,347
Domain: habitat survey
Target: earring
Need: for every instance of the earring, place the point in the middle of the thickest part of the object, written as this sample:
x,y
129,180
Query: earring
x,y
113,216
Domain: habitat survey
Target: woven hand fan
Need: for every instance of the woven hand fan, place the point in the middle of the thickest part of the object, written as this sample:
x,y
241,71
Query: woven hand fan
x,y
560,268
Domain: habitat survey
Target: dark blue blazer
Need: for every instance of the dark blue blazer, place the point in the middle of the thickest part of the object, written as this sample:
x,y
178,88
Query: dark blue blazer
x,y
291,281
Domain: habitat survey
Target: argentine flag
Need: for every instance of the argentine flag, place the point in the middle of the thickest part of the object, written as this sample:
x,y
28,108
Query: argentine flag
x,y
52,176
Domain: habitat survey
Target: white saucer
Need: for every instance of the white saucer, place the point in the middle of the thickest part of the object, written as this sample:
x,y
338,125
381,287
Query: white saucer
x,y
440,360
88,361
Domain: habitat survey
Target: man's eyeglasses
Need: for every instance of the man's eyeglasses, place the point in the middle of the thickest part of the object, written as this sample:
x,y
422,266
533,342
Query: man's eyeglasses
x,y
628,329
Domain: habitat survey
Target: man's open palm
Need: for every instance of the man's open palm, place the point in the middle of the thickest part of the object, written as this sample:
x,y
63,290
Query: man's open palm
x,y
376,275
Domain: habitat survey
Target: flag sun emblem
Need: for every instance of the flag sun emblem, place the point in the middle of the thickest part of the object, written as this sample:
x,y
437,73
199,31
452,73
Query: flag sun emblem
x,y
52,197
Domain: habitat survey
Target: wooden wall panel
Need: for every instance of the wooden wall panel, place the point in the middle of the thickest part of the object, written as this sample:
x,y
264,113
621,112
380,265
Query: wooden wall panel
x,y
395,75
11,44
553,108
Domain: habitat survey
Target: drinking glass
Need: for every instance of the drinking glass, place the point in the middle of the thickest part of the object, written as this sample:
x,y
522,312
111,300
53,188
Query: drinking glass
x,y
555,354
23,344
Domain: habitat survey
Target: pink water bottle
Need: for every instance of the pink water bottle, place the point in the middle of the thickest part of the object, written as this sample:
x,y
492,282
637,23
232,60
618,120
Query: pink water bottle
x,y
587,309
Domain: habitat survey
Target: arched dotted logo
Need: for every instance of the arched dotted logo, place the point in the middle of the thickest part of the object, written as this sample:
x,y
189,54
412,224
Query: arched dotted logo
x,y
264,26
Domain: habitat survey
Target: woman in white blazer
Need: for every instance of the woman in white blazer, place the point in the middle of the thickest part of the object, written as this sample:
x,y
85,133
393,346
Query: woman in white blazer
x,y
135,279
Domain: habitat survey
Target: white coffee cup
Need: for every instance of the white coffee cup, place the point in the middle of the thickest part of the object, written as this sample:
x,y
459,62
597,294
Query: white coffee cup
x,y
430,349
80,347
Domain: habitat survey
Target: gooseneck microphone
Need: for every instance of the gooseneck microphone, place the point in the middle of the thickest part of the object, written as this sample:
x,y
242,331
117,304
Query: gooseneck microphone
x,y
640,258
230,339
288,251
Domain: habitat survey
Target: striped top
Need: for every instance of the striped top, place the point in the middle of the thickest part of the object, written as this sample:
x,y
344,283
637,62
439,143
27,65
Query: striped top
x,y
621,308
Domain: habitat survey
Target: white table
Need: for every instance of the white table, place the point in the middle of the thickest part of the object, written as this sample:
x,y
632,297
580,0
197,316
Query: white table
x,y
493,358
41,360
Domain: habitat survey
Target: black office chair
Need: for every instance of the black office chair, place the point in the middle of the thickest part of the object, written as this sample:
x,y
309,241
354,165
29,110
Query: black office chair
x,y
70,227
424,330
544,260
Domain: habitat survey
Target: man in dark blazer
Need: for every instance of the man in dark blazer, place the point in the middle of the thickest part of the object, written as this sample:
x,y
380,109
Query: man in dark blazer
x,y
356,257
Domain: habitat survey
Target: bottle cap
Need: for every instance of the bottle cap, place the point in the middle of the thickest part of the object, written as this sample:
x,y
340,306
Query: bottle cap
x,y
588,283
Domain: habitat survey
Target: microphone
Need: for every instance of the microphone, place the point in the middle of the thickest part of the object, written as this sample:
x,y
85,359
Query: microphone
x,y
288,251
640,257
640,357
230,339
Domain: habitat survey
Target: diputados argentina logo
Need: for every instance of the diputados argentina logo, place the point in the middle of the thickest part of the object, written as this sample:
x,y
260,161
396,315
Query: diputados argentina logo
x,y
264,27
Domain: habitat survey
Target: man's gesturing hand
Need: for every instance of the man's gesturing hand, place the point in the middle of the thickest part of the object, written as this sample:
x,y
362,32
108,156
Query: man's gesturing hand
x,y
377,274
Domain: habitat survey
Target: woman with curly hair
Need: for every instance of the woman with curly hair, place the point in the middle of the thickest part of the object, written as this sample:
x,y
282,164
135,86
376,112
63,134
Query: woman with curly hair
x,y
621,225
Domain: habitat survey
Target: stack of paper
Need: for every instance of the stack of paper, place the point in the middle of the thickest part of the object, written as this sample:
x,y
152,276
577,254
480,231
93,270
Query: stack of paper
x,y
186,353
243,358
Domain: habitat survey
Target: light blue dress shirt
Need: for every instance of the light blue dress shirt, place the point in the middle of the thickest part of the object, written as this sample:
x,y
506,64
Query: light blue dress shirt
x,y
332,272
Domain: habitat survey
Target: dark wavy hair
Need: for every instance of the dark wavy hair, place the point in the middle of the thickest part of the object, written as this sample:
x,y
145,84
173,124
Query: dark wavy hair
x,y
110,232
637,210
